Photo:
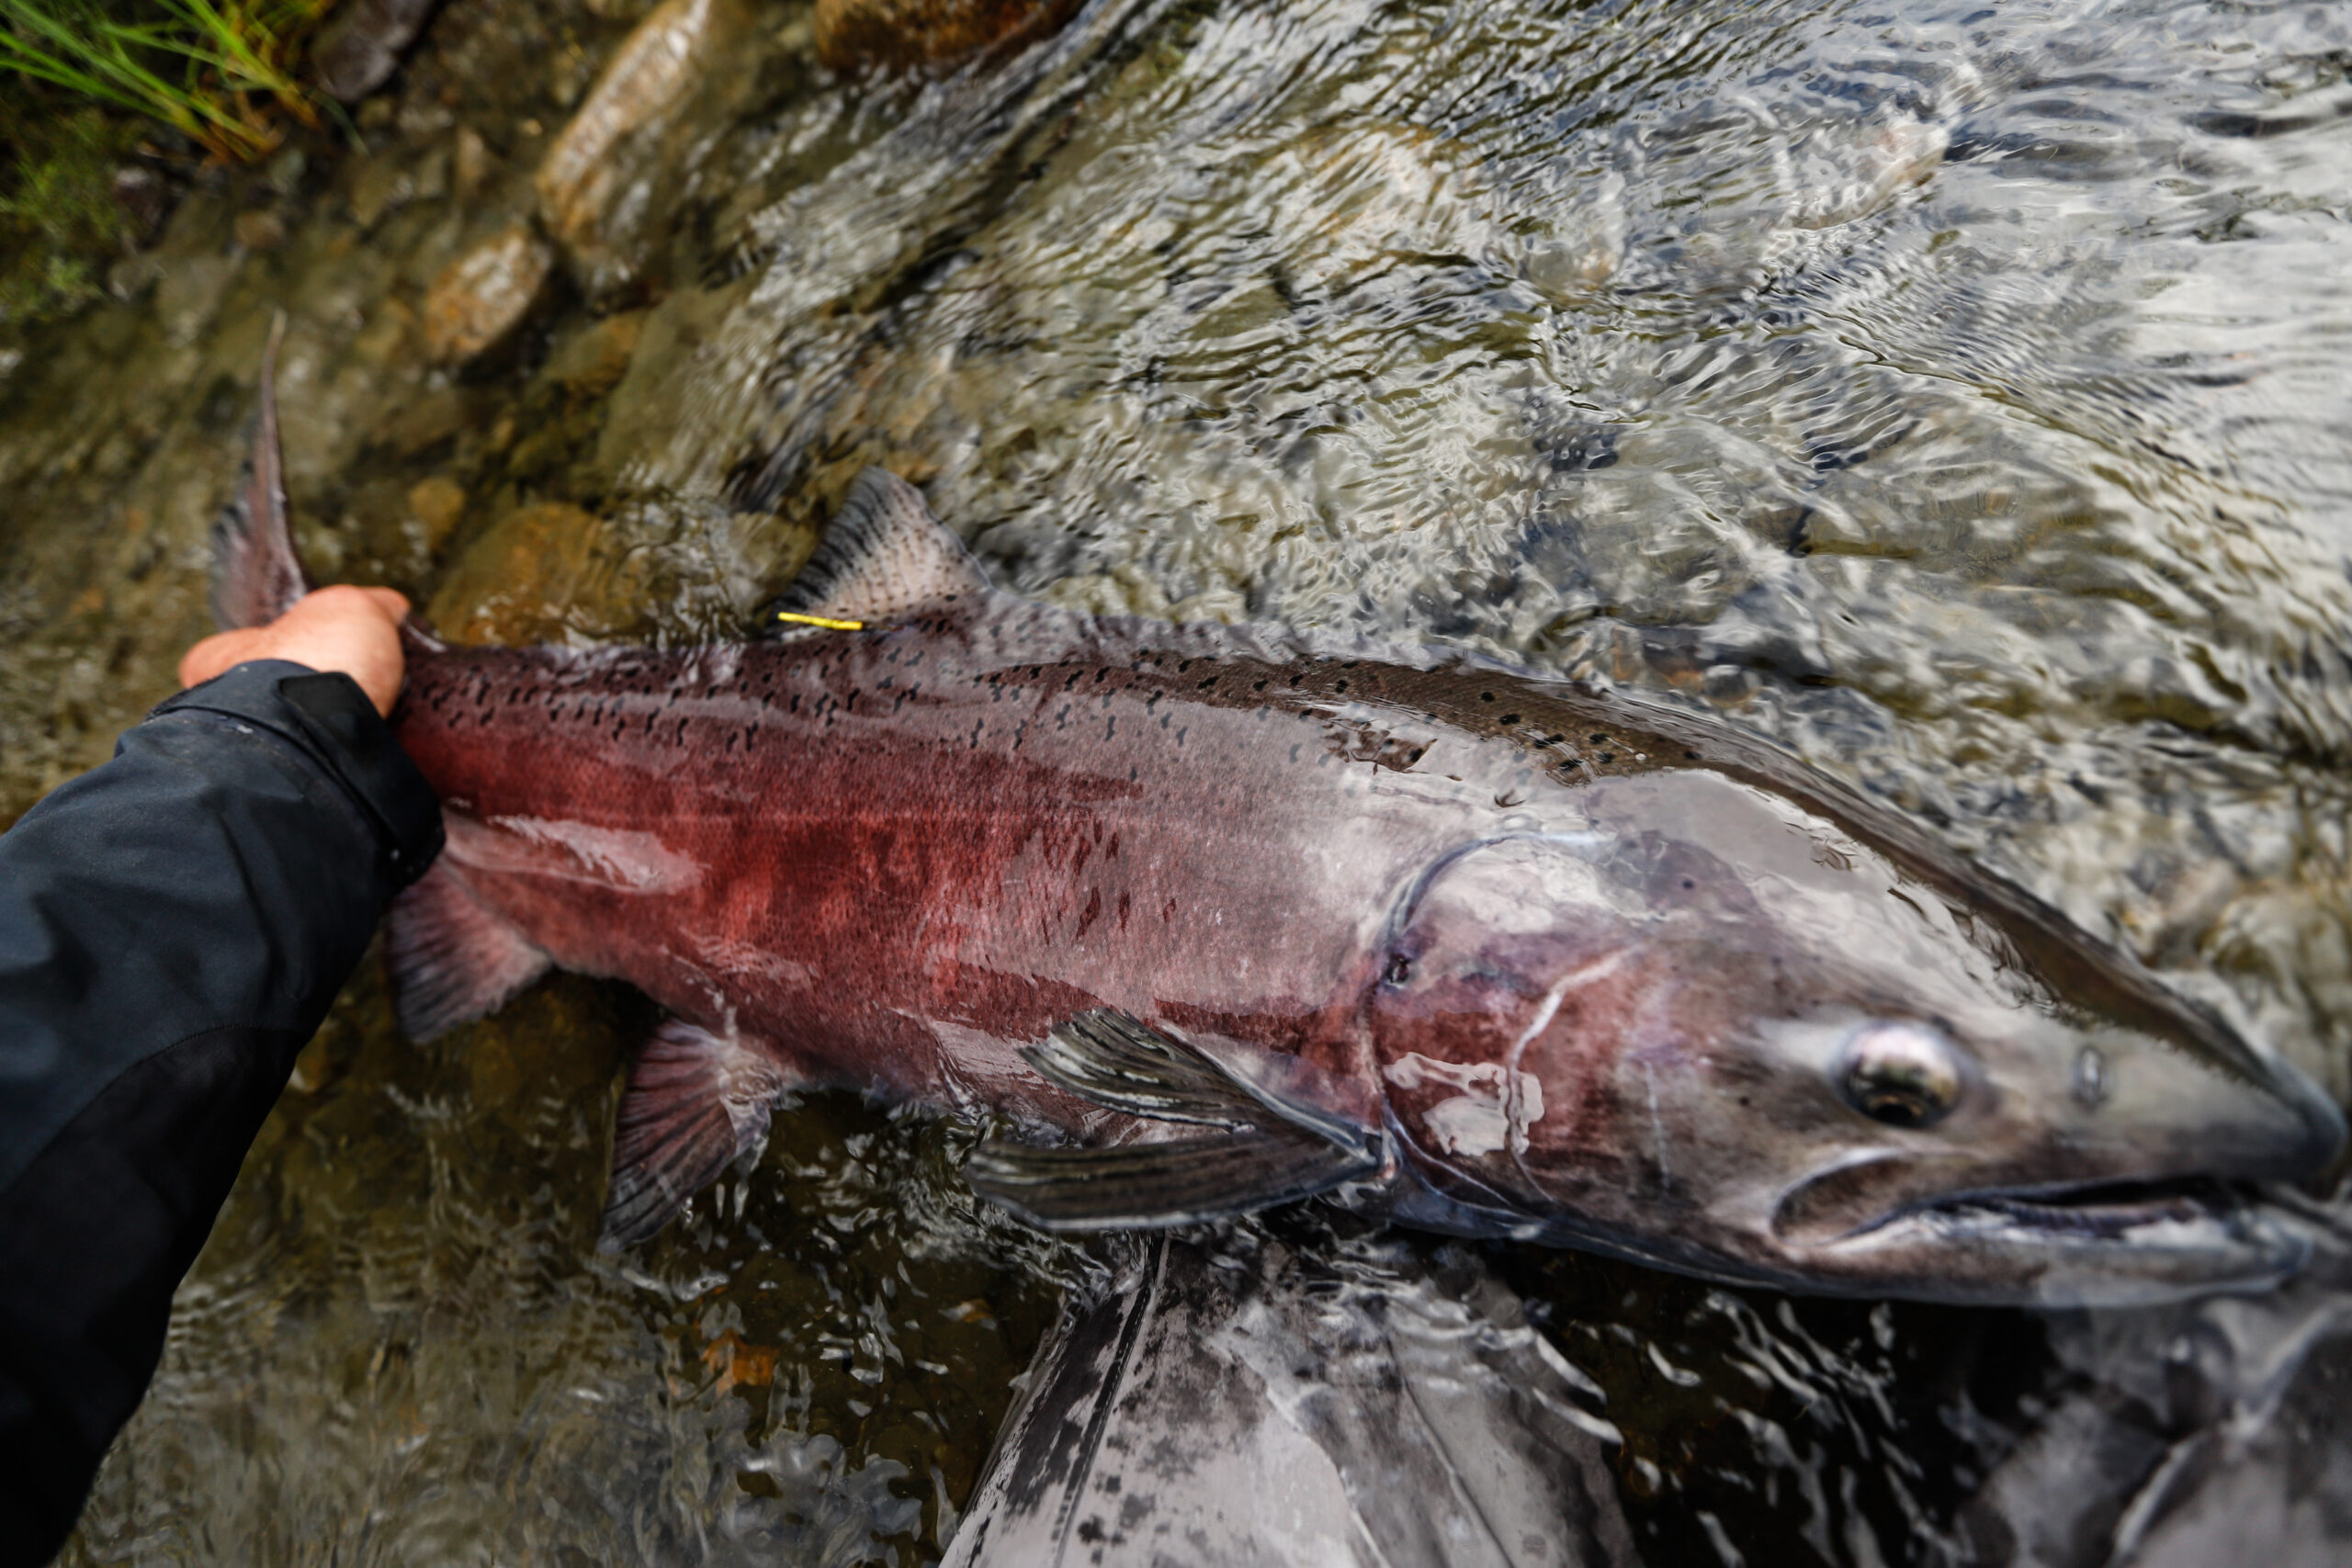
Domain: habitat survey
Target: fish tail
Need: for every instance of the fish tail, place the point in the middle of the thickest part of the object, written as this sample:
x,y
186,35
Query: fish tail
x,y
256,575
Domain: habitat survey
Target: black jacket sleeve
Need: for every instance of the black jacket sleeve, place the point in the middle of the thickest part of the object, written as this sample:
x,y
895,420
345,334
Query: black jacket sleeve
x,y
173,926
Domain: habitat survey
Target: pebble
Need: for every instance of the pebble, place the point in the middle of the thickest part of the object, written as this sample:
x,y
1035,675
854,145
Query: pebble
x,y
260,230
852,34
358,50
484,295
381,186
592,362
471,162
524,581
437,503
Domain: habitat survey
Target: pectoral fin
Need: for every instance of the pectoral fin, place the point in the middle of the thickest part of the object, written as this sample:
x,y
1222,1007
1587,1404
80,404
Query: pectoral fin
x,y
1143,1186
452,960
1268,1152
695,1100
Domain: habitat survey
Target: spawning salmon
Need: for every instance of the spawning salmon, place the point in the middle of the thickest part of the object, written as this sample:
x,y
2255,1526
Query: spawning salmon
x,y
1229,916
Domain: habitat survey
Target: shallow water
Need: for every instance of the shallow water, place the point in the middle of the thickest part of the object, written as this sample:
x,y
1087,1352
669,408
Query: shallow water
x,y
1955,394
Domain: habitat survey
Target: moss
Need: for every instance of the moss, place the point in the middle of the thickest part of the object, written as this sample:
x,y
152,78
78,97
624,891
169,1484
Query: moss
x,y
60,224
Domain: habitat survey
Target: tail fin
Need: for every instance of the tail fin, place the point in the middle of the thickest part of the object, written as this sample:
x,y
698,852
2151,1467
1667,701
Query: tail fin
x,y
255,573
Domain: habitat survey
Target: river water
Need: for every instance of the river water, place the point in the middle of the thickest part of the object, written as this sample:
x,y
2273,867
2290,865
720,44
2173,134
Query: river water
x,y
1958,394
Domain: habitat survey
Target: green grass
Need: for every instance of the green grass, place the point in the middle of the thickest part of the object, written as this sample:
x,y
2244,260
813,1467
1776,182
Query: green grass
x,y
220,73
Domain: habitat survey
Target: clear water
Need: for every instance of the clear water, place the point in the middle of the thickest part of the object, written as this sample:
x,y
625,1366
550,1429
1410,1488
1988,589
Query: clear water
x,y
1957,393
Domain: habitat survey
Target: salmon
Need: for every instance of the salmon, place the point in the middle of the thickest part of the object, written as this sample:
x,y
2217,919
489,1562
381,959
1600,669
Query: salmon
x,y
1227,917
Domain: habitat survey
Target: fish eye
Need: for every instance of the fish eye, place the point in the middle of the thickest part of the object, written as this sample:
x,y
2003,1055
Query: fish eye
x,y
1904,1075
1400,969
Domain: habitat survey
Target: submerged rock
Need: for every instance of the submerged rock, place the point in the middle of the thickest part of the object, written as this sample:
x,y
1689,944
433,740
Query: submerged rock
x,y
592,362
482,298
855,33
437,503
612,172
360,49
528,579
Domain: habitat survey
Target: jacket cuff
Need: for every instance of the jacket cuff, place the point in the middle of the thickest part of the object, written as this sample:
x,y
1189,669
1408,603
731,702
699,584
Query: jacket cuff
x,y
329,721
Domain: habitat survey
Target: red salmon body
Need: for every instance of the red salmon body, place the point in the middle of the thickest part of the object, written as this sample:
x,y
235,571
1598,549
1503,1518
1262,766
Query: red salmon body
x,y
1248,919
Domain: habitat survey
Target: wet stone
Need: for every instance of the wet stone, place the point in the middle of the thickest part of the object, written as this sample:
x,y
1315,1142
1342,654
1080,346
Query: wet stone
x,y
437,503
484,295
543,572
612,172
381,185
592,362
143,199
358,49
471,162
855,34
259,230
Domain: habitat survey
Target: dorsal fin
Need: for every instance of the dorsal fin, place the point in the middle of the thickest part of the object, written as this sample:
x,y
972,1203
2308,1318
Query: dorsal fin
x,y
883,556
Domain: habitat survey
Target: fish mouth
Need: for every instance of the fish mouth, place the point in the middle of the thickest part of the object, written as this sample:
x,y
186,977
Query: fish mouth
x,y
2105,1211
2096,1244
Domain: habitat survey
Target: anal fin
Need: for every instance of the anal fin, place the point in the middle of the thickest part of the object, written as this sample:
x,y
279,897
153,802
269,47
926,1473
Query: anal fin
x,y
452,960
695,1100
1267,1153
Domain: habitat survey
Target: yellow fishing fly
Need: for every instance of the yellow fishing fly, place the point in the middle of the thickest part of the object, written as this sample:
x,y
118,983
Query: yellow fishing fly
x,y
827,622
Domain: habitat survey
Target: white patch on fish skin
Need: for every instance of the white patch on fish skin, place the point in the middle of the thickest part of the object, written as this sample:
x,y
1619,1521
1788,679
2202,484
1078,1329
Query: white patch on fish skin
x,y
1499,1101
727,957
625,858
1476,1120
1657,1126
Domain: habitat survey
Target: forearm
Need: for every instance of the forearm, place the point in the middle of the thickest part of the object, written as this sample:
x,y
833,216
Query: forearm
x,y
173,927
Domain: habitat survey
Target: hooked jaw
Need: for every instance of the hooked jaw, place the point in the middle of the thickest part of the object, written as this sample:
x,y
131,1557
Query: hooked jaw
x,y
2126,1245
2140,1187
1705,1048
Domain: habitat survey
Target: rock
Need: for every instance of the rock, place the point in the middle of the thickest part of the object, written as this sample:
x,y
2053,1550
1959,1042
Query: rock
x,y
359,49
143,199
592,362
484,295
540,569
852,34
471,162
381,185
421,421
438,502
610,175
260,230
285,171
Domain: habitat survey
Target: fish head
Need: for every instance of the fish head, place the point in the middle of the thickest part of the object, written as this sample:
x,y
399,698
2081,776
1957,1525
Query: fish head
x,y
1711,1028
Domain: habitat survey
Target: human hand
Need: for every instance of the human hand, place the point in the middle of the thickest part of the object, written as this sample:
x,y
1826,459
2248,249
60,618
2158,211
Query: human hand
x,y
354,630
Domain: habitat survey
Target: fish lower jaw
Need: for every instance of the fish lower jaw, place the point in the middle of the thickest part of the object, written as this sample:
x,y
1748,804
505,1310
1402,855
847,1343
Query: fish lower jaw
x,y
2111,1212
2111,1245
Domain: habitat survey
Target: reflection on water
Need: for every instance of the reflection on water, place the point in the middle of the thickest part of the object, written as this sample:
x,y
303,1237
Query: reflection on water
x,y
1956,392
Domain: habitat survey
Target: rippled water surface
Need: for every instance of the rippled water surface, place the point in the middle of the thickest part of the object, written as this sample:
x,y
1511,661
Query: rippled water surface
x,y
1961,394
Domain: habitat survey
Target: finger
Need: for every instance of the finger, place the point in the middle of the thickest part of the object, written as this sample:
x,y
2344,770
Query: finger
x,y
340,601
